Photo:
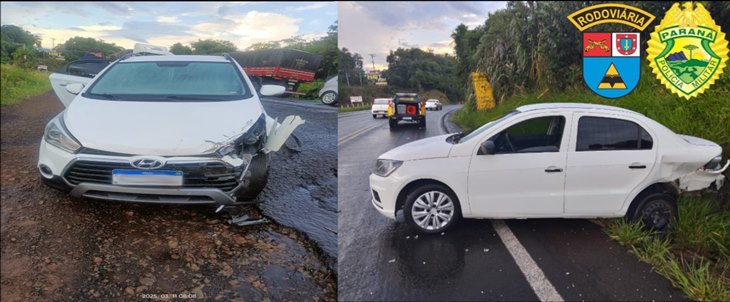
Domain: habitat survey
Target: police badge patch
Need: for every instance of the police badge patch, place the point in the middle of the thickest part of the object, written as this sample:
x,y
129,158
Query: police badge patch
x,y
687,50
611,61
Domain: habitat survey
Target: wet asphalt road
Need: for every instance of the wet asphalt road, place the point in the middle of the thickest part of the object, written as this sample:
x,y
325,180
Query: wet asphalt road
x,y
309,201
382,259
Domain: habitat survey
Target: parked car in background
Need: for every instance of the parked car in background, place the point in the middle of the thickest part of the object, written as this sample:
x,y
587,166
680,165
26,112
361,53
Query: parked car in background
x,y
380,107
433,104
328,93
162,129
546,161
408,109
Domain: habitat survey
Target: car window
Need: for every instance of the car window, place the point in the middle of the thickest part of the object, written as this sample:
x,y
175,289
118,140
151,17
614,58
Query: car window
x,y
469,135
381,101
600,134
154,79
541,134
84,68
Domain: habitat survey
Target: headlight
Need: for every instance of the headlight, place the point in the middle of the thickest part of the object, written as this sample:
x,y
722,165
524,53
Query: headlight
x,y
252,140
383,167
57,135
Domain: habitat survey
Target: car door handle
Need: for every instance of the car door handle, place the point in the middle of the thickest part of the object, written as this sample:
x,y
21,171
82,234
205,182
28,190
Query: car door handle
x,y
637,166
553,169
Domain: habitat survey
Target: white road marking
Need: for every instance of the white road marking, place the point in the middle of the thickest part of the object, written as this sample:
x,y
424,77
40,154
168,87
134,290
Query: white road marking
x,y
347,137
544,290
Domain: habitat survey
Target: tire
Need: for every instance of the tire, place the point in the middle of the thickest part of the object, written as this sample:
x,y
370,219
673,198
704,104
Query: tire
x,y
375,116
257,176
430,220
329,98
656,211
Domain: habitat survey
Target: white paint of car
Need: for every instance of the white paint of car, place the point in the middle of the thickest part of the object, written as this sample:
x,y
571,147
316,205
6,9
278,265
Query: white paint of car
x,y
380,106
173,129
590,184
329,86
432,104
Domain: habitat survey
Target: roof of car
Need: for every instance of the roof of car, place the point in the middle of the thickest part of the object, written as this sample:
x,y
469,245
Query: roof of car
x,y
582,106
191,58
405,93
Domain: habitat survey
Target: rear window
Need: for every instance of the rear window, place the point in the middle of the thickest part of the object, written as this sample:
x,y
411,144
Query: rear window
x,y
601,134
214,80
406,98
381,101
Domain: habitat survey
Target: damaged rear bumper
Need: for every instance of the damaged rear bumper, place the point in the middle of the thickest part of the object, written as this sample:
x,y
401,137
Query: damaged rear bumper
x,y
703,178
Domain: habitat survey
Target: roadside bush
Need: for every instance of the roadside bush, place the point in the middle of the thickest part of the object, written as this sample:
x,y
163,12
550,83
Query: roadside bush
x,y
311,89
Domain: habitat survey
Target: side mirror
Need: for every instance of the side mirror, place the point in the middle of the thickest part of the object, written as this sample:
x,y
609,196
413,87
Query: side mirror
x,y
486,147
74,88
272,90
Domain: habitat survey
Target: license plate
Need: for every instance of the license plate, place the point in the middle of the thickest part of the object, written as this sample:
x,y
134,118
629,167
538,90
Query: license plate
x,y
147,178
407,118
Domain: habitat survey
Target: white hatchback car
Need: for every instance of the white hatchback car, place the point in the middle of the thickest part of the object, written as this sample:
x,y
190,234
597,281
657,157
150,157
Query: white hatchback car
x,y
546,160
162,129
380,107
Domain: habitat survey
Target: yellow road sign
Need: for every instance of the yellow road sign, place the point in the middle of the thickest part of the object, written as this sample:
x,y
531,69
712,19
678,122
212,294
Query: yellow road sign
x,y
482,91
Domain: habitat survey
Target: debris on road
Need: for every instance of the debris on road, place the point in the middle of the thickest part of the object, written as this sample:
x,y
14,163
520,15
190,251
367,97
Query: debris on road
x,y
244,220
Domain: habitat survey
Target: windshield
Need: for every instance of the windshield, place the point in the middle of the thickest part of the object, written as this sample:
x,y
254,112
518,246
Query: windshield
x,y
469,135
206,81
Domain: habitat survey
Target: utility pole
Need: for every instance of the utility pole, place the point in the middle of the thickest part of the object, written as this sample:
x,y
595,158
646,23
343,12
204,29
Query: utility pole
x,y
372,57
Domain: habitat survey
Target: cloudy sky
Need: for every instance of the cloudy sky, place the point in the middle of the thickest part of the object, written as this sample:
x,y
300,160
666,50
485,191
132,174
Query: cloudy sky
x,y
159,23
377,27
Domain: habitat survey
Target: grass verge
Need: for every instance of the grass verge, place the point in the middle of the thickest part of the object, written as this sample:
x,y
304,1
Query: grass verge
x,y
693,257
354,108
19,84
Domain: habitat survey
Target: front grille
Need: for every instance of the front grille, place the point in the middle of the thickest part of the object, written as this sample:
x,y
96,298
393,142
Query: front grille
x,y
195,175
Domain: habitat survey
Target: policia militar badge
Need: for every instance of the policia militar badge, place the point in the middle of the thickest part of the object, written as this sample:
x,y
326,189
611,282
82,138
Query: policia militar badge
x,y
611,61
687,51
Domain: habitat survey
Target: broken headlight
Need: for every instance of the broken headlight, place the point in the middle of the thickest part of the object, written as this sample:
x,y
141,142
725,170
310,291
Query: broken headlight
x,y
249,142
57,135
383,167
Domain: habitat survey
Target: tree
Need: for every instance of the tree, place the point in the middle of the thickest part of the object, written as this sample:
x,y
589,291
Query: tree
x,y
76,47
264,45
12,38
210,46
690,48
180,49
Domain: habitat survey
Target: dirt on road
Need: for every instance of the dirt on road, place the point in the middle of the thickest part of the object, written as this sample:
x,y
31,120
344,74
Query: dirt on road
x,y
55,247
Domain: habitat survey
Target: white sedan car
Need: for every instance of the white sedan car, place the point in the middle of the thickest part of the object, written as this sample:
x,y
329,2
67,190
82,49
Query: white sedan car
x,y
546,160
433,104
162,129
380,107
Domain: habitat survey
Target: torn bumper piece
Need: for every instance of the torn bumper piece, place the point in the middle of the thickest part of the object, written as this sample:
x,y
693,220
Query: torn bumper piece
x,y
703,178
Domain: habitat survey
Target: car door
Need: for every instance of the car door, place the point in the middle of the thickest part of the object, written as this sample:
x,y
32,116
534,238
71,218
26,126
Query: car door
x,y
526,174
609,158
81,72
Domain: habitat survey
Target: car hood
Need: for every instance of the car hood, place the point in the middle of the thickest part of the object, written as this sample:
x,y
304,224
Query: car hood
x,y
432,147
159,128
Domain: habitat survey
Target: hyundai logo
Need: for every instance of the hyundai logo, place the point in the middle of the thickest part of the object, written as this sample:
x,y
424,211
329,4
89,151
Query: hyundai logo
x,y
147,163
